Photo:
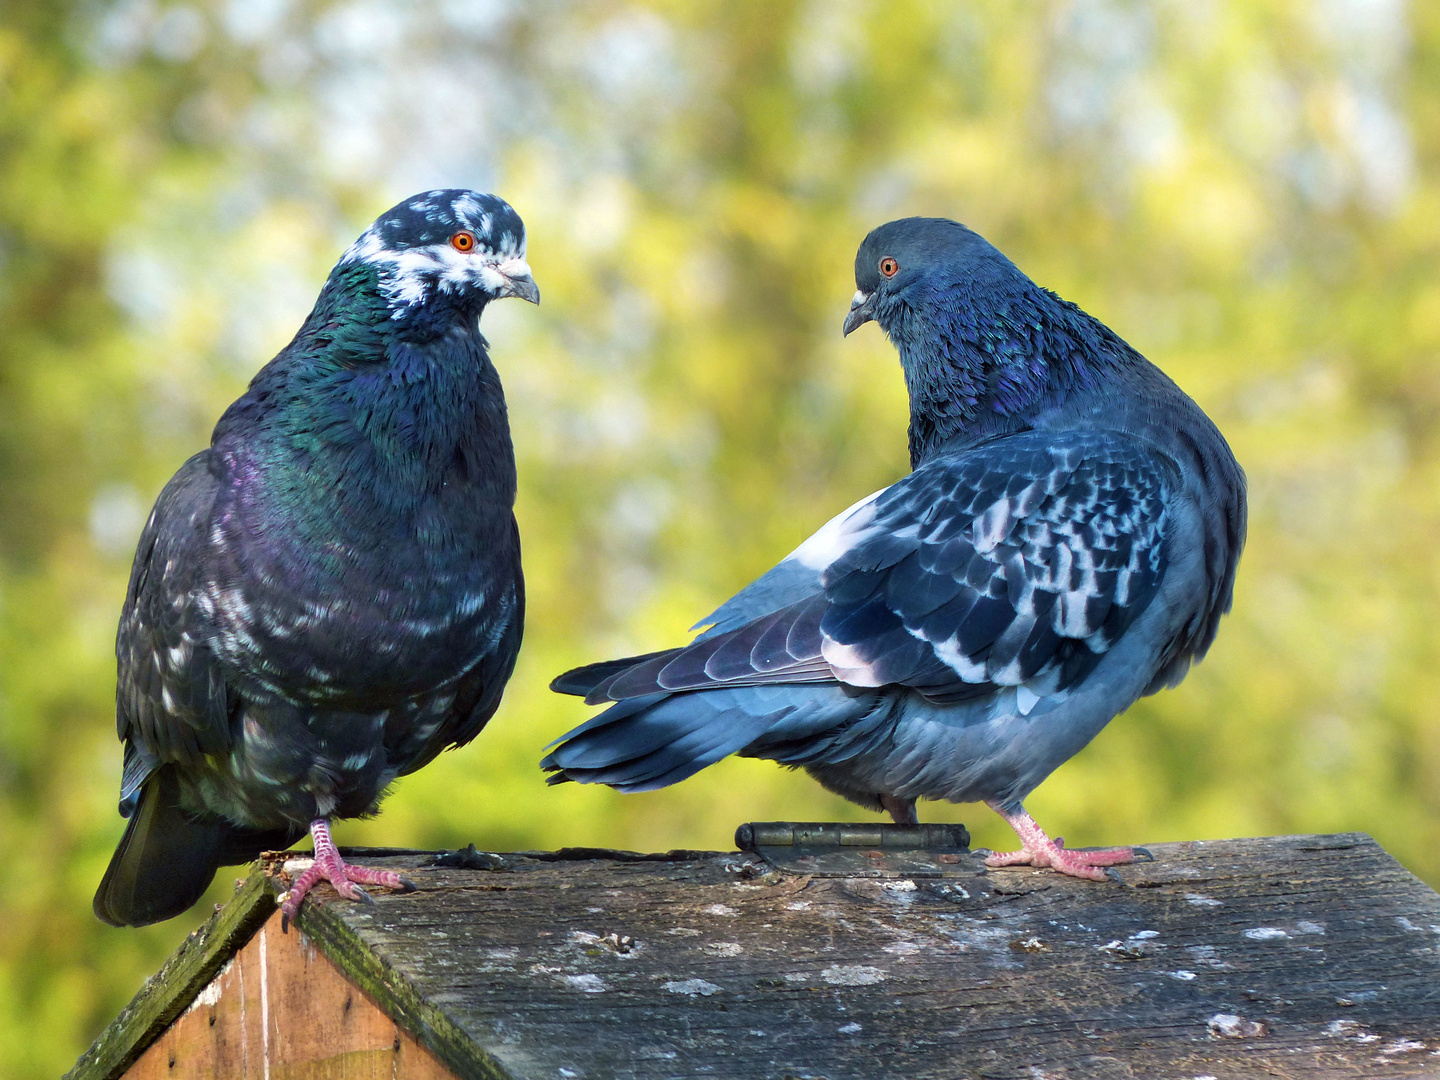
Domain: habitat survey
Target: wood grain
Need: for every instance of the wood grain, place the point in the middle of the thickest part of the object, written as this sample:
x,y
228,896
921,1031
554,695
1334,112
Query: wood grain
x,y
167,993
280,1009
1287,957
1312,956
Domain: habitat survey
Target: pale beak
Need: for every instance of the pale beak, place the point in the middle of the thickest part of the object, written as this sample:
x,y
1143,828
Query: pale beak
x,y
518,281
862,310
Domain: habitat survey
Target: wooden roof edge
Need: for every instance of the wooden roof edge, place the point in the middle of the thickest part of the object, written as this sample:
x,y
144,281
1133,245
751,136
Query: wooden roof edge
x,y
167,993
391,990
426,1021
171,990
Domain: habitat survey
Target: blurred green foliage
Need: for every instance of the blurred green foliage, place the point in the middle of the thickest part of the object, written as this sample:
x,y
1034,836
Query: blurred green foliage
x,y
1247,192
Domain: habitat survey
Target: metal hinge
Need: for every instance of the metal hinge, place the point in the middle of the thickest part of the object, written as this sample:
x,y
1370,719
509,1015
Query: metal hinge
x,y
833,849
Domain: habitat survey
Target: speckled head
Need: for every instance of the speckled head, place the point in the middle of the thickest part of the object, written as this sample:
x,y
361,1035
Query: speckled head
x,y
454,242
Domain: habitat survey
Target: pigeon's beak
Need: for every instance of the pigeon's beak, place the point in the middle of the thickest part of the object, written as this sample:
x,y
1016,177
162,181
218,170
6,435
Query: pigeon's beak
x,y
518,281
862,310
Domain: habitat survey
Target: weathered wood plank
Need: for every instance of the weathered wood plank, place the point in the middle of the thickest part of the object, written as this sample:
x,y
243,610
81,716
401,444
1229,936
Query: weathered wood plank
x,y
281,1009
167,993
1288,957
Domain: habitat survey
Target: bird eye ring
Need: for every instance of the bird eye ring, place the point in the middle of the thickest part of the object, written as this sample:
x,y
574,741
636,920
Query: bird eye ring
x,y
889,267
463,241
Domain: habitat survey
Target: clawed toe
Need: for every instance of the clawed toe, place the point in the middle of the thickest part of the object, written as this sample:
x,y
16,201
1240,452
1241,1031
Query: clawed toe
x,y
346,879
1081,864
1079,867
1041,851
1010,858
1105,856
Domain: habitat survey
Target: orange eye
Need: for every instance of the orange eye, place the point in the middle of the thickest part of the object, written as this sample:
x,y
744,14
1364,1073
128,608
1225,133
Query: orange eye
x,y
889,267
463,241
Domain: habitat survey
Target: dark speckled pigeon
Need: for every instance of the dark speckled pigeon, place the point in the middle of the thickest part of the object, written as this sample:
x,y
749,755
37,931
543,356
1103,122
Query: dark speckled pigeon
x,y
1066,543
331,594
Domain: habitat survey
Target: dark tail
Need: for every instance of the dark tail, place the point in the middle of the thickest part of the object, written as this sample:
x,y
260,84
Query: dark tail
x,y
581,680
168,857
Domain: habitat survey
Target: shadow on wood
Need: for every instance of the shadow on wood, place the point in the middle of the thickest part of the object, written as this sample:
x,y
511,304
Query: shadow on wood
x,y
1308,956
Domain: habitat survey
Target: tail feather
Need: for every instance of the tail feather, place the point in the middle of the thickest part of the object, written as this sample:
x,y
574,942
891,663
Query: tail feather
x,y
581,680
650,742
168,857
658,743
165,860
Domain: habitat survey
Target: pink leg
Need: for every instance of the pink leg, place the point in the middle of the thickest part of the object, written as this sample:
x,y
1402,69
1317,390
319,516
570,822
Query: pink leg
x,y
328,866
1039,850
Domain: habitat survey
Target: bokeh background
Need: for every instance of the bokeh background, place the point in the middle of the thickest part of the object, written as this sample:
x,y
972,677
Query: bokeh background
x,y
1247,191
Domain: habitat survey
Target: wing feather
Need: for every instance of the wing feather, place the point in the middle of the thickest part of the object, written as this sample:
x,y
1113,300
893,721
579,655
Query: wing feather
x,y
1019,562
172,703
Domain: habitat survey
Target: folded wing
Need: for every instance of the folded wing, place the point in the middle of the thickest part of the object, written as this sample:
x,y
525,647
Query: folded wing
x,y
172,702
1014,564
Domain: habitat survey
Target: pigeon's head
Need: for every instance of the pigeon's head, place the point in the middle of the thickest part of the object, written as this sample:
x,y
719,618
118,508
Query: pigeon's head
x,y
908,265
981,345
460,246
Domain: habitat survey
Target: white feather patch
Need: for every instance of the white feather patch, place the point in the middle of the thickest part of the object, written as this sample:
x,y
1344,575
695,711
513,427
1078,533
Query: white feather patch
x,y
992,526
1025,699
950,655
847,664
408,274
837,536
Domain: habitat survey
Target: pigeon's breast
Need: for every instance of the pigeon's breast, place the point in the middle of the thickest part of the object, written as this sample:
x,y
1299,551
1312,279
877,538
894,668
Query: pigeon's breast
x,y
380,609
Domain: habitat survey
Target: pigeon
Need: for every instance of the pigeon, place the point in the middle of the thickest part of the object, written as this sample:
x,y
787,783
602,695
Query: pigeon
x,y
1065,543
331,594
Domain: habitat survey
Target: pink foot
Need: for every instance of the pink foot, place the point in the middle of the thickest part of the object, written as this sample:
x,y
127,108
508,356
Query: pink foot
x,y
1039,850
328,866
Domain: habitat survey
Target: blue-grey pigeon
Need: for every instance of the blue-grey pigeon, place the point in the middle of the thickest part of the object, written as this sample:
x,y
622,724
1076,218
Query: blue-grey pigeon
x,y
1066,543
